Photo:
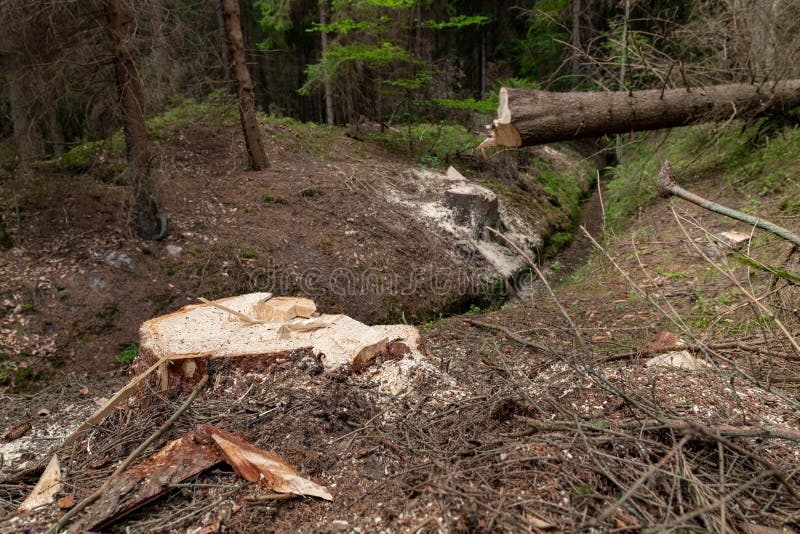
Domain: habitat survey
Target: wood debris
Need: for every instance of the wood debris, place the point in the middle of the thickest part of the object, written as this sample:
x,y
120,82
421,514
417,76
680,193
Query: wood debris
x,y
179,460
263,467
46,488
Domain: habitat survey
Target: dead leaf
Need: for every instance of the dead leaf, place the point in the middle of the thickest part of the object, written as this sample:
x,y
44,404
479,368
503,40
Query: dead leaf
x,y
664,341
67,501
45,490
42,412
264,467
538,522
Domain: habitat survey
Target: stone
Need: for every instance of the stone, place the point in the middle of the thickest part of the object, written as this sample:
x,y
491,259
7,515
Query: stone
x,y
119,260
474,206
680,359
97,284
174,250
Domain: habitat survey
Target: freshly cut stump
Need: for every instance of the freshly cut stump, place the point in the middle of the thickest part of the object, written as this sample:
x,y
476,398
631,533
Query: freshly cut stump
x,y
277,328
474,206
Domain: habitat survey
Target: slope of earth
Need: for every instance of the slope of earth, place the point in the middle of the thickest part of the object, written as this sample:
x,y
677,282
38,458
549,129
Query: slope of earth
x,y
361,229
543,416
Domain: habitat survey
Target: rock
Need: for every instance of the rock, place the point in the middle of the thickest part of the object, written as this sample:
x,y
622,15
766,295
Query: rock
x,y
734,240
97,284
474,206
174,250
119,260
678,359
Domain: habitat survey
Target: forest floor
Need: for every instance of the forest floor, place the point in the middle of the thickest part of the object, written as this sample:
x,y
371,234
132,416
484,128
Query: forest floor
x,y
544,415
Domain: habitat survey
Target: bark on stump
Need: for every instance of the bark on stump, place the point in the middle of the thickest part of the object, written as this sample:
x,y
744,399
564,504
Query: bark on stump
x,y
474,206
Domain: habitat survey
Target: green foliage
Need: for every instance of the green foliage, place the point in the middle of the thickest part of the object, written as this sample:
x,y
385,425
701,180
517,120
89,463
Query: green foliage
x,y
130,353
481,106
456,22
88,154
104,157
563,188
691,150
542,50
428,141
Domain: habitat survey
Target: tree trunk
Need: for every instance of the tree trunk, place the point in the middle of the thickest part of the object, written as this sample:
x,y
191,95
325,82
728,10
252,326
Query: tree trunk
x,y
224,52
244,84
151,222
575,8
5,239
26,133
528,117
323,19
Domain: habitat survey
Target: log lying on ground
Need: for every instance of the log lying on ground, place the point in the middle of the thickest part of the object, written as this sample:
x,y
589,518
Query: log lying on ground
x,y
527,117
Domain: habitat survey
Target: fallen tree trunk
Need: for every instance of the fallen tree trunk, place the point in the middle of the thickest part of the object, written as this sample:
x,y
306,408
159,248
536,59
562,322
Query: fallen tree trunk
x,y
527,117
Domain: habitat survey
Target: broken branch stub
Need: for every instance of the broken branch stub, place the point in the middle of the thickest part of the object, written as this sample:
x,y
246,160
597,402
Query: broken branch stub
x,y
667,185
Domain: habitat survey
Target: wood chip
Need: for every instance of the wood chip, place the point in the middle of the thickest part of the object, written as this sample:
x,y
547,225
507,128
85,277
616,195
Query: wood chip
x,y
263,467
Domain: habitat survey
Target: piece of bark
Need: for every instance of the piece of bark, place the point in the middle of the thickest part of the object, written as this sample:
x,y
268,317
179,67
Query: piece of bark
x,y
263,467
46,488
179,460
527,117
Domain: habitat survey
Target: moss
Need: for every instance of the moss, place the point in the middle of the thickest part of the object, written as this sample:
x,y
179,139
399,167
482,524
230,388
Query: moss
x,y
129,354
25,380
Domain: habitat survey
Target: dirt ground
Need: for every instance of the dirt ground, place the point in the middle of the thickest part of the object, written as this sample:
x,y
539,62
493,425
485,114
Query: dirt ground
x,y
335,218
526,426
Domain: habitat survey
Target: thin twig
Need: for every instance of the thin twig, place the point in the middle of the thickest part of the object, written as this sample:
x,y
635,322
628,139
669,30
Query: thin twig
x,y
539,273
608,512
511,335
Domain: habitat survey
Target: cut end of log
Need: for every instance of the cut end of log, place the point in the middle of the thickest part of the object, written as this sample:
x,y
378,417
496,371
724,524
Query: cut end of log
x,y
503,133
503,111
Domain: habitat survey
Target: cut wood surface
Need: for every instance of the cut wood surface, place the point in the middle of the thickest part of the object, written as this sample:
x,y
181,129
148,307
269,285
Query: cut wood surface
x,y
527,117
201,331
46,488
